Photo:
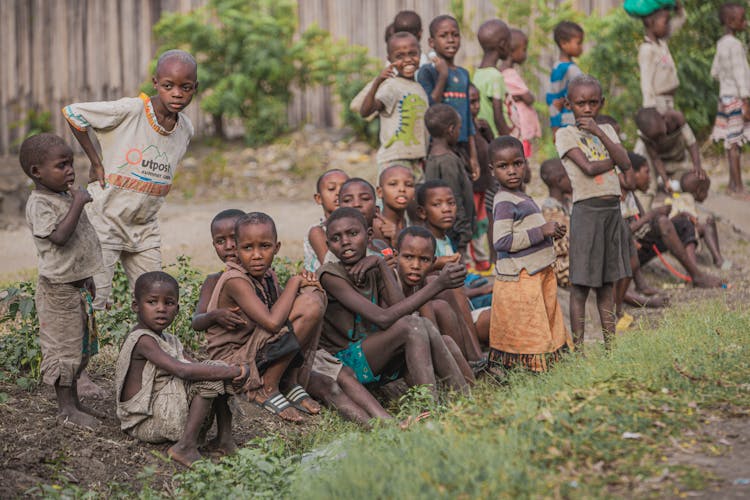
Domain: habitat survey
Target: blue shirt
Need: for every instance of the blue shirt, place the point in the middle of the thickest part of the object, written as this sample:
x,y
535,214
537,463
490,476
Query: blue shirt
x,y
455,94
562,74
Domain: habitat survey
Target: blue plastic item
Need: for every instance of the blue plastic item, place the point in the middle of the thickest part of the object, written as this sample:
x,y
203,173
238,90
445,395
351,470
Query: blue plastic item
x,y
642,8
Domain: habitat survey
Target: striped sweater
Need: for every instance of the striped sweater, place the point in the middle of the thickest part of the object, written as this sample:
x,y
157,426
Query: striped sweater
x,y
518,238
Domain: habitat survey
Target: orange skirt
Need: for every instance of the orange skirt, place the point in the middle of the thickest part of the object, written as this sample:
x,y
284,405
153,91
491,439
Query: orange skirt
x,y
526,325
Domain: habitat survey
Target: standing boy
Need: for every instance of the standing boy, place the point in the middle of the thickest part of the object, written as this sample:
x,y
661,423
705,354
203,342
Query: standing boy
x,y
569,38
68,256
142,139
494,38
599,249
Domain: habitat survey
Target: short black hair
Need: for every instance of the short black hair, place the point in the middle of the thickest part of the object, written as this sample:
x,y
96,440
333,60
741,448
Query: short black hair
x,y
584,81
515,36
637,161
440,19
392,166
180,55
230,213
408,20
488,31
34,150
417,232
439,117
255,219
606,120
646,120
726,10
146,280
389,31
550,171
357,180
690,181
565,31
346,213
324,175
424,188
504,142
400,35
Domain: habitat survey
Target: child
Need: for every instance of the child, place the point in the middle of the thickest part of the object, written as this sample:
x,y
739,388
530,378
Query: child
x,y
359,194
277,325
368,325
143,140
68,254
401,103
447,83
494,38
444,124
730,67
659,79
524,121
396,189
599,249
556,208
569,38
162,393
327,195
526,327
483,137
410,22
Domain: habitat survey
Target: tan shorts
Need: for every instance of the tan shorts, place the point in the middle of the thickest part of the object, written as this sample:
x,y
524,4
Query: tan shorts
x,y
327,364
134,264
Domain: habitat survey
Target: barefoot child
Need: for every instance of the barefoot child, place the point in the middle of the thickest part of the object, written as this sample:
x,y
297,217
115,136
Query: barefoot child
x,y
527,327
494,38
327,196
368,325
479,243
730,67
162,393
277,326
569,38
599,249
68,254
396,189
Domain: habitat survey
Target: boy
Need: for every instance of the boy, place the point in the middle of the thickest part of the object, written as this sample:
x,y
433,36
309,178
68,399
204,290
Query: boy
x,y
396,189
368,325
447,83
526,327
359,194
483,137
68,254
401,103
569,38
276,326
522,117
143,140
494,38
162,393
444,124
730,67
599,249
659,79
410,22
556,208
327,196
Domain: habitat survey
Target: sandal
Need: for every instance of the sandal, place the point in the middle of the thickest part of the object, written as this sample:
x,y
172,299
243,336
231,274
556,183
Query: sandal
x,y
296,395
276,403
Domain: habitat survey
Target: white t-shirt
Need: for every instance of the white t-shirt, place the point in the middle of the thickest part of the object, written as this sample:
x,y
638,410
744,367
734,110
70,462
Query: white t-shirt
x,y
140,158
403,135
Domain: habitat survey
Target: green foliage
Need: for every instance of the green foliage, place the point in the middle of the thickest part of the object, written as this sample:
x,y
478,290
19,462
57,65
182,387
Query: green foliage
x,y
285,268
33,122
249,60
20,354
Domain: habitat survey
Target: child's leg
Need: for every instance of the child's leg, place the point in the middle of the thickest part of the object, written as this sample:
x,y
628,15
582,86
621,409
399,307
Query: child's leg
x,y
445,363
467,340
463,365
672,241
271,379
185,451
621,287
67,404
710,236
483,326
332,395
223,441
578,296
360,395
455,326
735,172
605,303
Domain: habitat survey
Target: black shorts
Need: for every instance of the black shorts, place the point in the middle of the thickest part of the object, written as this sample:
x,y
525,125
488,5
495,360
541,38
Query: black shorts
x,y
281,347
685,232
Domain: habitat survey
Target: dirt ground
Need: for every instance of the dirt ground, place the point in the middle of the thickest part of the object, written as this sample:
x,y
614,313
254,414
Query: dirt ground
x,y
35,448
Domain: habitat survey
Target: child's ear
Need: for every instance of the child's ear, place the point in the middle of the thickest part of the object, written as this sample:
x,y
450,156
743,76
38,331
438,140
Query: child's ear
x,y
134,306
601,103
34,171
369,233
379,192
278,246
318,198
566,102
431,42
421,213
153,80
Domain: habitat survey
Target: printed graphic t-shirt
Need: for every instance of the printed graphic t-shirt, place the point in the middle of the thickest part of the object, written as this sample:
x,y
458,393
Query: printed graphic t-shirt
x,y
139,158
403,135
456,93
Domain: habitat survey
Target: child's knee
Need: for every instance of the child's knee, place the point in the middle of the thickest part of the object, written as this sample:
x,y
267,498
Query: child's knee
x,y
310,304
413,328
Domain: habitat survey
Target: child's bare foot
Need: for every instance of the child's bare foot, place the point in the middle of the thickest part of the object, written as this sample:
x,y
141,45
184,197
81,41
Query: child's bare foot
x,y
647,290
183,455
411,420
277,404
89,410
221,446
77,417
739,194
703,280
639,300
88,389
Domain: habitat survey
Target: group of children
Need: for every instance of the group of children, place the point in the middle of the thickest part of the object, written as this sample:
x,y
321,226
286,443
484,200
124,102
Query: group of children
x,y
384,293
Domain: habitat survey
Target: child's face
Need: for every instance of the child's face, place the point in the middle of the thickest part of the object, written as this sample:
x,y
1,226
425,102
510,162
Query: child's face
x,y
347,239
736,20
563,183
397,188
519,50
658,23
573,47
358,195
642,178
474,101
585,101
256,248
447,39
55,172
157,306
330,185
439,210
175,84
403,53
508,165
415,259
222,236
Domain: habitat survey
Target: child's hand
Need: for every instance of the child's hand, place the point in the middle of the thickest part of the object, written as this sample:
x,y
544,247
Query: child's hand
x,y
388,72
358,270
390,258
474,169
559,103
667,184
228,318
452,276
308,278
80,195
440,65
551,229
239,381
588,124
96,174
388,229
90,287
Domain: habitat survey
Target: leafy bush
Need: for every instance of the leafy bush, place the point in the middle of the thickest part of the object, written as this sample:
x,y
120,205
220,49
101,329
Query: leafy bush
x,y
20,354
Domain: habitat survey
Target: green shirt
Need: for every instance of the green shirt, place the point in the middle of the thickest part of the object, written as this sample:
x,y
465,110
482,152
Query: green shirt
x,y
491,85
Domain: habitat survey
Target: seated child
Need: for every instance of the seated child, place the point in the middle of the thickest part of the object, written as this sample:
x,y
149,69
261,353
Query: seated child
x,y
396,189
68,254
162,393
368,323
527,326
479,243
327,195
443,123
358,193
277,325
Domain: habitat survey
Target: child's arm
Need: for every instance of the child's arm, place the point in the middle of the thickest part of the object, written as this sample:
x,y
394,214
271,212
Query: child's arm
x,y
350,298
371,105
96,171
616,150
527,98
646,65
499,117
508,239
65,228
225,316
274,320
317,239
147,348
443,261
627,180
435,88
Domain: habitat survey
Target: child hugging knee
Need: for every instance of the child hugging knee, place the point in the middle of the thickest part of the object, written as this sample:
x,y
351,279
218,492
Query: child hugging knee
x,y
368,323
69,255
162,393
